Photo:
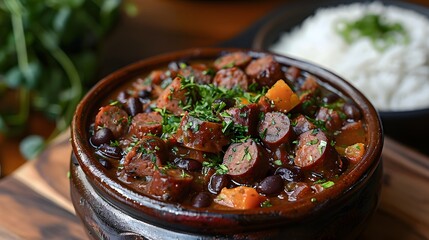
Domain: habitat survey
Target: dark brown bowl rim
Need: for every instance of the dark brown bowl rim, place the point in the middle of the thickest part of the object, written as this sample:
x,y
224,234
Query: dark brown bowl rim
x,y
121,194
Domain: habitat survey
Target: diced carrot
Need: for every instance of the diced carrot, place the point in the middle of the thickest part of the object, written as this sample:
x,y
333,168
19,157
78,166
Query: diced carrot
x,y
240,198
282,96
355,152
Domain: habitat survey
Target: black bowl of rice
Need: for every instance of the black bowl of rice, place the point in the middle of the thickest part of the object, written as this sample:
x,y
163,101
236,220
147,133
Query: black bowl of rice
x,y
379,47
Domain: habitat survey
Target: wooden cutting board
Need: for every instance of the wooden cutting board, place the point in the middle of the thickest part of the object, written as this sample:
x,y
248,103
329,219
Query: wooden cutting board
x,y
35,201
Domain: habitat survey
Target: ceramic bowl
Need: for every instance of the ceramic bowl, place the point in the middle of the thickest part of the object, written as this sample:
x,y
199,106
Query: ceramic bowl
x,y
110,209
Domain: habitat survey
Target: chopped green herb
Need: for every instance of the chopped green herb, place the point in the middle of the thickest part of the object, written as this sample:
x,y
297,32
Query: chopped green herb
x,y
229,65
327,184
114,143
222,169
321,146
170,122
209,72
247,154
182,65
312,142
115,103
183,174
264,133
382,33
278,162
266,204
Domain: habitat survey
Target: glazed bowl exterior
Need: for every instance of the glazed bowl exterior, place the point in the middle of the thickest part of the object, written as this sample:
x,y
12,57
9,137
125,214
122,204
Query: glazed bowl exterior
x,y
109,209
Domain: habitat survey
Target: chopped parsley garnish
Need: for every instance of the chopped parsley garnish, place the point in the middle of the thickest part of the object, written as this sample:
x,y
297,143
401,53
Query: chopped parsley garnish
x,y
322,145
201,98
266,204
170,122
215,162
382,33
278,162
327,184
114,143
222,169
312,142
247,154
183,174
115,103
324,183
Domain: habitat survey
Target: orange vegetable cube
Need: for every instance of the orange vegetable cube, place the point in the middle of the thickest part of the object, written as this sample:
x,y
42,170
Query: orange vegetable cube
x,y
355,152
240,198
282,96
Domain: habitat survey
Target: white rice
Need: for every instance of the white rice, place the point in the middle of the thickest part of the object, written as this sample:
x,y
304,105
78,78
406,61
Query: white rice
x,y
394,79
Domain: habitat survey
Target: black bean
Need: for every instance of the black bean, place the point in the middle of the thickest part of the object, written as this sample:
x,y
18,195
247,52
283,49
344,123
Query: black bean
x,y
188,164
351,111
144,94
290,174
271,185
102,136
110,151
330,98
105,163
133,106
202,199
217,182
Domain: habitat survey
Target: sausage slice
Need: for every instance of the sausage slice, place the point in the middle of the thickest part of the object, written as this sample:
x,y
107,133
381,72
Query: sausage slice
x,y
275,129
200,72
246,162
171,97
246,116
301,124
231,78
311,150
331,118
237,59
144,123
172,185
146,156
113,118
201,135
265,71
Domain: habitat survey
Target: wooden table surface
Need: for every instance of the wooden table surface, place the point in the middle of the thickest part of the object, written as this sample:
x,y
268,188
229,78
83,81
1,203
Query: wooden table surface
x,y
35,201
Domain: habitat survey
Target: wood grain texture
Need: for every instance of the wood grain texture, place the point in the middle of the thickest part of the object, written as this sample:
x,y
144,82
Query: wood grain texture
x,y
404,205
26,214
